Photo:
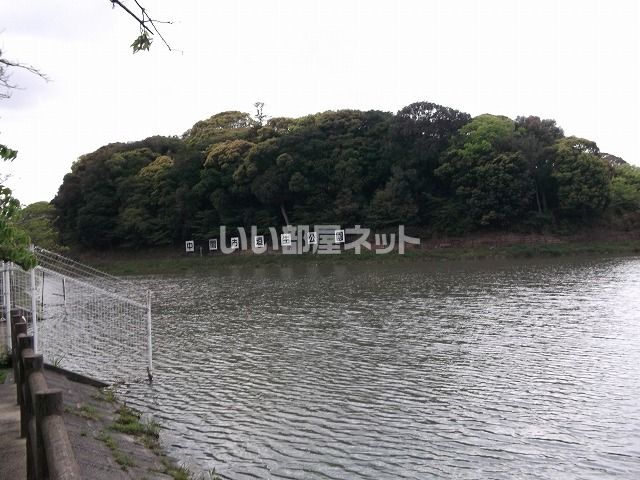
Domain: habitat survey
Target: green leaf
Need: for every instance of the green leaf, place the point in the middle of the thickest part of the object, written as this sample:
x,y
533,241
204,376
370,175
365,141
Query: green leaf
x,y
14,242
7,153
143,42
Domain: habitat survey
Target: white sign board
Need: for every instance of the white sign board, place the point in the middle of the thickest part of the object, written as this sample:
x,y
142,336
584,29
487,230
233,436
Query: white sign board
x,y
189,245
258,241
285,239
339,234
235,242
213,244
312,238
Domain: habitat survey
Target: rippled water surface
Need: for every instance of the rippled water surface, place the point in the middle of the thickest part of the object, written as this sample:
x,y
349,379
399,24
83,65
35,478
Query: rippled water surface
x,y
518,369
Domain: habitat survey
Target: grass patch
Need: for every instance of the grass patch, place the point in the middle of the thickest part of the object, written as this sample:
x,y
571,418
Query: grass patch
x,y
106,394
109,395
85,411
128,421
178,472
4,366
148,433
57,361
88,411
5,360
524,251
121,459
108,440
181,472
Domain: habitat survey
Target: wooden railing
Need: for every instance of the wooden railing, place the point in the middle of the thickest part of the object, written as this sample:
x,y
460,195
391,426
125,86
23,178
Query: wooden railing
x,y
49,452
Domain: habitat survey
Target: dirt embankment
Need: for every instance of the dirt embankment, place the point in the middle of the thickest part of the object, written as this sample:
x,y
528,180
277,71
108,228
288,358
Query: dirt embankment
x,y
498,239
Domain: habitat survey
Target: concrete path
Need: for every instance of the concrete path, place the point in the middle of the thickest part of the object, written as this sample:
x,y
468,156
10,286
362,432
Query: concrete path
x,y
13,448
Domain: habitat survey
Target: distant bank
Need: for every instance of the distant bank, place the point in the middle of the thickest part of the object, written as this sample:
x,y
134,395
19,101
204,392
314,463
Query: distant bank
x,y
479,246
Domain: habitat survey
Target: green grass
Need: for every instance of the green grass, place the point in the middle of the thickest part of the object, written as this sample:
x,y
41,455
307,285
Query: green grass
x,y
85,411
57,361
128,421
109,395
88,411
106,394
4,367
137,266
178,472
527,251
148,264
181,472
121,459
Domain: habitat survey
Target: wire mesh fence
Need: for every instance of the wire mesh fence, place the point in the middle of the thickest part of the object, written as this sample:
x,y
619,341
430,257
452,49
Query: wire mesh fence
x,y
86,320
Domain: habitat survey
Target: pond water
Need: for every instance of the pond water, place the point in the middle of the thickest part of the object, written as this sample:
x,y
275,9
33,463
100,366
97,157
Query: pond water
x,y
401,370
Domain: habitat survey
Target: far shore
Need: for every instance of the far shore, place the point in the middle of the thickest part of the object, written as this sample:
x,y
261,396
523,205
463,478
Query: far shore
x,y
173,260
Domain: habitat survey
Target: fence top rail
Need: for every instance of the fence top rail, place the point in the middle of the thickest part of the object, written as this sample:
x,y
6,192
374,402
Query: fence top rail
x,y
66,267
122,296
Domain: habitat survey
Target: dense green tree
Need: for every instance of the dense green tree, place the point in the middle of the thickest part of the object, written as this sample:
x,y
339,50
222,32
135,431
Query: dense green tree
x,y
420,133
582,178
220,127
147,211
624,194
394,204
535,139
96,198
14,241
488,181
428,166
625,189
37,220
221,188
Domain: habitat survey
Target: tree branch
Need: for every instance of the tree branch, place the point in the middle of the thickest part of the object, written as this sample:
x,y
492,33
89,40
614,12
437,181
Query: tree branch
x,y
138,19
143,42
5,84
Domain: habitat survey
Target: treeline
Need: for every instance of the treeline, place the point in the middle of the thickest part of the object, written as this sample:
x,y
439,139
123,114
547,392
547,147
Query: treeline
x,y
429,167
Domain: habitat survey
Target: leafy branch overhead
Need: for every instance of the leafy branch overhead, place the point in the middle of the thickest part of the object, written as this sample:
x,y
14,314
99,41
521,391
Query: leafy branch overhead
x,y
148,27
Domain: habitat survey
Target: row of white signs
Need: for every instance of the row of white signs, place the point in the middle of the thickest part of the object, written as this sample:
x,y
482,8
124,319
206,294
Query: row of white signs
x,y
258,241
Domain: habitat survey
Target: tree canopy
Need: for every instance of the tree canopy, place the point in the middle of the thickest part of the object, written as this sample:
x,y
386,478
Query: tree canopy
x,y
429,167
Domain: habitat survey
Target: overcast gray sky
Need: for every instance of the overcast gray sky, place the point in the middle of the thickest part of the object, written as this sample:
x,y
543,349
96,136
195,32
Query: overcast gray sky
x,y
577,62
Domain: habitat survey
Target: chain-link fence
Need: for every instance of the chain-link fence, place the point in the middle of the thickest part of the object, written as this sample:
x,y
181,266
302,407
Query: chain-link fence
x,y
86,321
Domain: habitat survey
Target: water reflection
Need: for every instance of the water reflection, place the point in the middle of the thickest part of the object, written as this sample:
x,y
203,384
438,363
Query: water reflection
x,y
524,369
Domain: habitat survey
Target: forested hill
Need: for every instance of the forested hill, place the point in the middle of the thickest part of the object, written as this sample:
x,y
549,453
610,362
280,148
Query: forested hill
x,y
429,167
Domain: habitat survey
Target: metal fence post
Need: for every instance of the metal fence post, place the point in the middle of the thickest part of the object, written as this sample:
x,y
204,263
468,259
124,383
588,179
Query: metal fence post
x,y
149,339
34,309
6,290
